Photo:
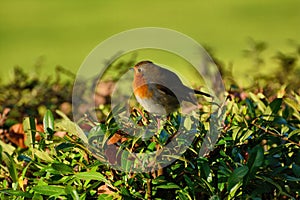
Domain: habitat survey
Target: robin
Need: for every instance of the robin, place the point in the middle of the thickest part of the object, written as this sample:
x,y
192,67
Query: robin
x,y
159,90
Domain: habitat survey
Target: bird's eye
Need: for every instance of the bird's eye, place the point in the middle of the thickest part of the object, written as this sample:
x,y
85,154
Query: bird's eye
x,y
139,70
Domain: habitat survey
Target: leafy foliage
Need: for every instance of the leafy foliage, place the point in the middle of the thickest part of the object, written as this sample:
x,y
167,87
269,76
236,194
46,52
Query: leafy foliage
x,y
256,156
29,95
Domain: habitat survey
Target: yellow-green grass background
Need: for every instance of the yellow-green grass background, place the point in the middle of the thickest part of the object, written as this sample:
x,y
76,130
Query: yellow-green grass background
x,y
64,32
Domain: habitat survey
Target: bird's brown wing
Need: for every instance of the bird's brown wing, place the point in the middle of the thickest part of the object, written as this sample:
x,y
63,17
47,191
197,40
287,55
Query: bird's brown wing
x,y
164,90
167,98
173,99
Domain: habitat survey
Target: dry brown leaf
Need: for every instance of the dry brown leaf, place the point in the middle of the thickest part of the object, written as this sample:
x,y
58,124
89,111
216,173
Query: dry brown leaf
x,y
104,189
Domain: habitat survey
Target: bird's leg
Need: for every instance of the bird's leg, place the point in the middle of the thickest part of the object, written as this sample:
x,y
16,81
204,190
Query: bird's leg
x,y
158,123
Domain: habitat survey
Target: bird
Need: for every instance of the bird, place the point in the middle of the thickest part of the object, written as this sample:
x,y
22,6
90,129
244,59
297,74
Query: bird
x,y
159,90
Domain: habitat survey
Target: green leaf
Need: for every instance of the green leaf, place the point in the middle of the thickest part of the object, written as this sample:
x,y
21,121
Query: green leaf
x,y
17,193
279,120
246,135
11,166
273,107
235,132
117,183
62,168
168,185
48,122
42,155
72,191
125,192
37,196
190,183
49,190
294,132
188,122
177,157
184,195
256,99
233,191
203,165
188,180
29,130
126,163
163,136
91,176
251,107
151,146
7,148
255,160
72,128
291,178
271,181
296,170
292,104
65,147
62,115
237,176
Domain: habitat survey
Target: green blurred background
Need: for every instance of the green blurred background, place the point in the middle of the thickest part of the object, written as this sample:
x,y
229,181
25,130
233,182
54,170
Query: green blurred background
x,y
64,32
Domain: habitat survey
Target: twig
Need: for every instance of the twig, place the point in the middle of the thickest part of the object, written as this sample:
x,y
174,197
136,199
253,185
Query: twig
x,y
142,114
149,188
276,135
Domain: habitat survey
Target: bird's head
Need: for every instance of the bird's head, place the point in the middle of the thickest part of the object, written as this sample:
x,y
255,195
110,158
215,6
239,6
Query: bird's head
x,y
143,68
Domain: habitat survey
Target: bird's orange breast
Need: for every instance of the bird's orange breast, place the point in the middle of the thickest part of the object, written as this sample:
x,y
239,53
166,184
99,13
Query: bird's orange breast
x,y
143,92
140,87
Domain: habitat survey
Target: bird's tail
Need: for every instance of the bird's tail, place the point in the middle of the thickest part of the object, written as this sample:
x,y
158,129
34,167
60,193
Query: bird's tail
x,y
202,93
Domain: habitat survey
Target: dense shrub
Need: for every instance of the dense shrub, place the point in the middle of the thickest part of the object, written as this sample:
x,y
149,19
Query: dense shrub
x,y
256,156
